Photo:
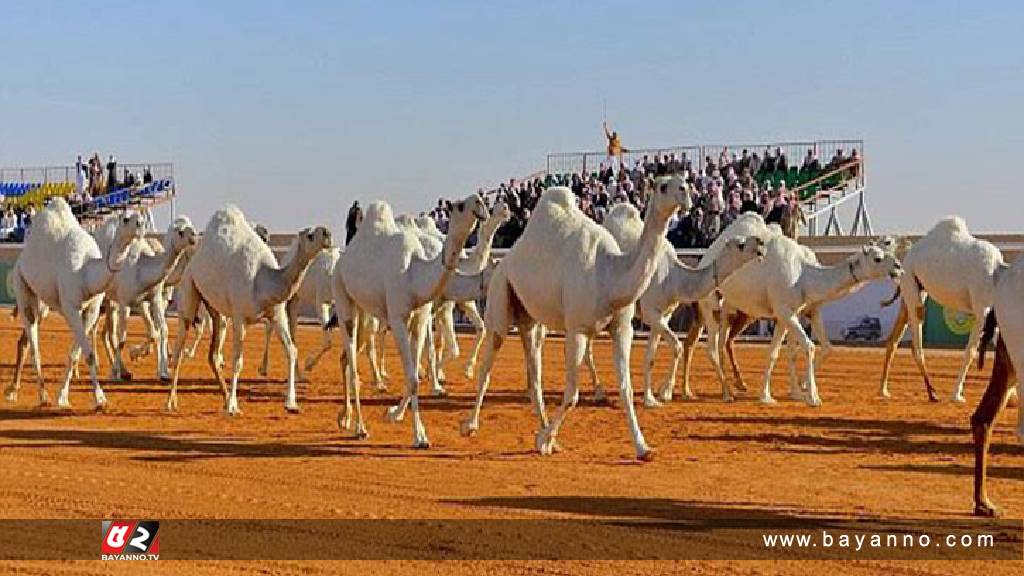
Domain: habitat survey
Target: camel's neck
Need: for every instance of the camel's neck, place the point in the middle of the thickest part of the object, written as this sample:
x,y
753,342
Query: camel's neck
x,y
692,284
464,287
631,272
824,283
481,254
276,285
429,277
154,269
99,272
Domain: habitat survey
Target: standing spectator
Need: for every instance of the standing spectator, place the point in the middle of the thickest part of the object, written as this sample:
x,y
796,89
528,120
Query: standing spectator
x,y
780,160
352,221
111,173
147,176
615,148
81,176
755,164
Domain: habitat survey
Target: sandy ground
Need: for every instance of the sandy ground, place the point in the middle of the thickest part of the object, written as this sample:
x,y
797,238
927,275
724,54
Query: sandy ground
x,y
855,456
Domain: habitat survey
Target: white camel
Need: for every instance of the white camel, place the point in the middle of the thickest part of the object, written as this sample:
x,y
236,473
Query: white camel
x,y
140,283
384,272
1009,363
236,276
788,283
62,268
956,270
675,283
473,262
568,273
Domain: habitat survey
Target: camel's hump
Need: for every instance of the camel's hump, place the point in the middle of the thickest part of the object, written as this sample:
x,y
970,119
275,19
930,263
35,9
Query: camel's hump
x,y
949,226
625,224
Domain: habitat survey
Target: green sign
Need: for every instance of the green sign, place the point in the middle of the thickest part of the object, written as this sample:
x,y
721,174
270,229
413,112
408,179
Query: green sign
x,y
6,296
946,327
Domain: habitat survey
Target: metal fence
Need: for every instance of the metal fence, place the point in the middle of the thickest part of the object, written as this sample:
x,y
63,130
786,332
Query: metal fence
x,y
589,162
50,174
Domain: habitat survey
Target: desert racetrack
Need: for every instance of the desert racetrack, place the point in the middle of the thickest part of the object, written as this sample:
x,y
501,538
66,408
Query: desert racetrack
x,y
855,456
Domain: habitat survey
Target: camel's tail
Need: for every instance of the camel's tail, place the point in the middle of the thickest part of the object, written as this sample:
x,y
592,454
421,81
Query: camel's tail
x,y
987,333
895,296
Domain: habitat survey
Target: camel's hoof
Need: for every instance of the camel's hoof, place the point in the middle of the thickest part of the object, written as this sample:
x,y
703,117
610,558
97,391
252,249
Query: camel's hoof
x,y
164,377
439,392
126,376
959,398
741,386
233,411
769,401
797,396
100,407
646,456
293,409
363,435
728,398
11,395
421,445
308,365
814,402
987,510
651,402
468,428
393,415
884,394
382,387
344,421
544,442
262,371
468,372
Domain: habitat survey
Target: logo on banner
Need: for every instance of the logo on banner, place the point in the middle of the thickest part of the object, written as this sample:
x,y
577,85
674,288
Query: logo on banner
x,y
130,540
959,323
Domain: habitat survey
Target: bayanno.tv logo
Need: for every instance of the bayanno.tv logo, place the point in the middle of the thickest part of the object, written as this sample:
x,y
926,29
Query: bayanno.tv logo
x,y
130,540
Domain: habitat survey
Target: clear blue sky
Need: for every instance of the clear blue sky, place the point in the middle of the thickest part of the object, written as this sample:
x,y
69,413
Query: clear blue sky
x,y
294,109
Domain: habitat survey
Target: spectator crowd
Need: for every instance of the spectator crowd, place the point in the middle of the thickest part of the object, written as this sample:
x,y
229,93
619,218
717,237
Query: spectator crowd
x,y
726,187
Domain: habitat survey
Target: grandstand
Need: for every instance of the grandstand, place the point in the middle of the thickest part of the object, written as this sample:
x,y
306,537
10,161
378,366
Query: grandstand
x,y
33,186
828,195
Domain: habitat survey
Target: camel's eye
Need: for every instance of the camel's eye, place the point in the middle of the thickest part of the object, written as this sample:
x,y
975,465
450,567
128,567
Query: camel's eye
x,y
664,188
741,245
309,235
126,219
460,206
878,259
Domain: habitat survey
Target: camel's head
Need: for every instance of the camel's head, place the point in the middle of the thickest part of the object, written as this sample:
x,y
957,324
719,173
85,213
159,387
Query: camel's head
x,y
670,193
262,232
738,251
501,213
898,246
180,236
874,263
131,227
465,215
312,241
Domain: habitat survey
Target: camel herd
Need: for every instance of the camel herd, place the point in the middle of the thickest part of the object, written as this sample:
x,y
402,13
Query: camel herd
x,y
566,273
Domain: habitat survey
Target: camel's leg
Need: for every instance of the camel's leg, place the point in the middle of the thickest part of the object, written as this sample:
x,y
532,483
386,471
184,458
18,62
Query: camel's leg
x,y
350,330
981,426
899,327
449,343
659,329
81,321
714,329
120,339
789,319
529,332
914,302
600,396
498,318
407,350
138,351
107,338
237,343
622,342
376,365
291,353
796,388
19,365
214,357
204,319
773,355
689,345
970,354
325,337
188,303
740,322
265,362
32,332
159,315
470,309
422,321
575,348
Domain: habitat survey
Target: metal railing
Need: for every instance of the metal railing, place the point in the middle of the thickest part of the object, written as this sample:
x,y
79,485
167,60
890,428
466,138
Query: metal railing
x,y
50,174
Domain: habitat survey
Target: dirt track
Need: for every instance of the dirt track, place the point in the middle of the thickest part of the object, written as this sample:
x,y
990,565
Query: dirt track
x,y
855,456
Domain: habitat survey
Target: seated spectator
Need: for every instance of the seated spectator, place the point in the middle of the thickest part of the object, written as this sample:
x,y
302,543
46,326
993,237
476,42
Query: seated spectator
x,y
780,160
8,224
